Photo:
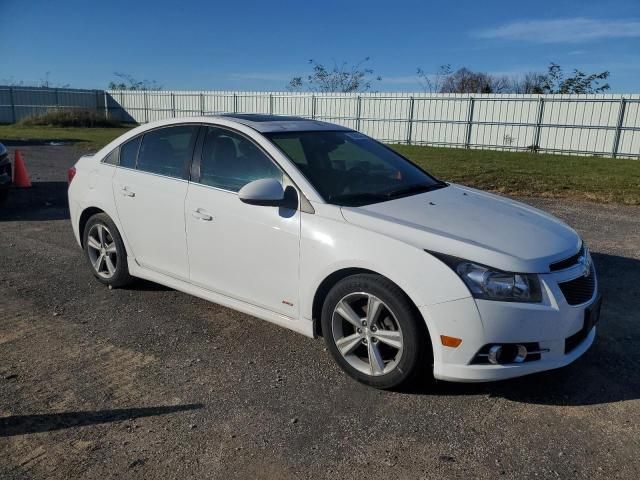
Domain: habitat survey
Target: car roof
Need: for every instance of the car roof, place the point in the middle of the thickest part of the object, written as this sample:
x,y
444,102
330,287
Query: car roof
x,y
280,123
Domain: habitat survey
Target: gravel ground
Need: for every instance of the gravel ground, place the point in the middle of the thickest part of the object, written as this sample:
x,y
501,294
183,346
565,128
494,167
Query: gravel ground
x,y
149,382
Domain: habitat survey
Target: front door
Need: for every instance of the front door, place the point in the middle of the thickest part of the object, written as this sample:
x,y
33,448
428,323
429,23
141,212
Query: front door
x,y
247,252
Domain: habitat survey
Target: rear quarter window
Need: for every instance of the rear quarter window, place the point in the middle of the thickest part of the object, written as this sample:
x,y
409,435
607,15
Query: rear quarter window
x,y
112,158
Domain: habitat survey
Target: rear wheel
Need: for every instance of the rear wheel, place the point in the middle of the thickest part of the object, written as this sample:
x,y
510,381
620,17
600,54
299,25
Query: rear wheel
x,y
105,251
374,332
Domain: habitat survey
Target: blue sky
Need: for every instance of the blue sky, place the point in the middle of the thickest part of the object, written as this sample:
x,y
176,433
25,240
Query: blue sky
x,y
259,45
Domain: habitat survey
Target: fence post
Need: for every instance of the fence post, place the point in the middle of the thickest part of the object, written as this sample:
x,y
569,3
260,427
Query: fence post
x,y
235,102
616,138
410,120
57,94
358,112
106,105
173,104
536,136
271,104
97,101
13,105
313,106
467,142
123,112
146,106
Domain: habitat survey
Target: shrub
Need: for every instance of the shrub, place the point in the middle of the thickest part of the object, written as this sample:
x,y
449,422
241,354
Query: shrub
x,y
71,118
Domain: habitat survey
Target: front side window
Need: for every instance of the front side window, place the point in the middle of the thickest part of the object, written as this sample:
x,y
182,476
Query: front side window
x,y
129,152
348,168
230,161
167,151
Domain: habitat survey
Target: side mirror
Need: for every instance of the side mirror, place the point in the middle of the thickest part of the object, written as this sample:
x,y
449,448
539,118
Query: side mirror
x,y
266,192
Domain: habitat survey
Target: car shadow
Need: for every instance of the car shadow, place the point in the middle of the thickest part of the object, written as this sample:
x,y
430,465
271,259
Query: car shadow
x,y
22,424
607,373
43,201
142,285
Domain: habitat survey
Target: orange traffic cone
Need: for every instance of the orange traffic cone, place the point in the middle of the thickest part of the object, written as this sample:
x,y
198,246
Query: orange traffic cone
x,y
20,174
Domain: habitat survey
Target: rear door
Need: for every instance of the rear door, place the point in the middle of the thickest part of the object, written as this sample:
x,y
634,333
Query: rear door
x,y
247,252
150,186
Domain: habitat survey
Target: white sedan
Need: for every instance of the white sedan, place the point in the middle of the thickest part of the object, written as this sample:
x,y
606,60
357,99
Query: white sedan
x,y
325,231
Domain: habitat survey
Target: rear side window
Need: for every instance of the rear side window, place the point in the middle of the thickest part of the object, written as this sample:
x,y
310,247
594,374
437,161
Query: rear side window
x,y
128,153
112,158
230,161
167,151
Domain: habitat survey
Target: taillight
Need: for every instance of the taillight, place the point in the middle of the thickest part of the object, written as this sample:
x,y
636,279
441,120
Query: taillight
x,y
70,174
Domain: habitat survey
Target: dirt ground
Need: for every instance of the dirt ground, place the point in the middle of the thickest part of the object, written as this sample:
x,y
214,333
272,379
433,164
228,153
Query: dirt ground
x,y
147,382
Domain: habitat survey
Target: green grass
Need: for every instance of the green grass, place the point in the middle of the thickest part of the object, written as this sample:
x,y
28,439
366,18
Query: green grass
x,y
597,179
89,138
586,178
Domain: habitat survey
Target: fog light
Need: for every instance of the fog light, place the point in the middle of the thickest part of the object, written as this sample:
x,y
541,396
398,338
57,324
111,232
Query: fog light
x,y
509,353
495,353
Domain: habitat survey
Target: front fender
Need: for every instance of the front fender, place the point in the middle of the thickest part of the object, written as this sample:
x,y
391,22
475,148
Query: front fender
x,y
330,244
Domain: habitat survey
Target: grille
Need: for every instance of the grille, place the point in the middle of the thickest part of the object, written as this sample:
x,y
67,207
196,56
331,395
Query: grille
x,y
579,290
567,262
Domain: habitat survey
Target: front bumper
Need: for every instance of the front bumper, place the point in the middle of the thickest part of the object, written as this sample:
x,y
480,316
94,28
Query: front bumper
x,y
481,322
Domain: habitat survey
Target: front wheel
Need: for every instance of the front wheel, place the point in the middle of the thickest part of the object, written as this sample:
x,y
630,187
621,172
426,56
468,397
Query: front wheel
x,y
374,332
105,251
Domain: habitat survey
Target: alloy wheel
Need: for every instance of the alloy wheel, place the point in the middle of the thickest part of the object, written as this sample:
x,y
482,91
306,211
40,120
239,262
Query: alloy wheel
x,y
102,251
367,334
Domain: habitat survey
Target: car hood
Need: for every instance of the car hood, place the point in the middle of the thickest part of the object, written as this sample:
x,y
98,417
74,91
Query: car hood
x,y
473,225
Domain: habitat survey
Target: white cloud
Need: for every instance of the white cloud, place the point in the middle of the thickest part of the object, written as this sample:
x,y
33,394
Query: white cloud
x,y
568,30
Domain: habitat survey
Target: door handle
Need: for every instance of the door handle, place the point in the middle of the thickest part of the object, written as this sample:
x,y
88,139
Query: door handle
x,y
201,215
126,192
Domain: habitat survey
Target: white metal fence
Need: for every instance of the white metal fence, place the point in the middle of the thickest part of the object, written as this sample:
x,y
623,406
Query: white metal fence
x,y
607,125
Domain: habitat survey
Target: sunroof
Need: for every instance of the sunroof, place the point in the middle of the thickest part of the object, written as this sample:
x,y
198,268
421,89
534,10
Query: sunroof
x,y
259,117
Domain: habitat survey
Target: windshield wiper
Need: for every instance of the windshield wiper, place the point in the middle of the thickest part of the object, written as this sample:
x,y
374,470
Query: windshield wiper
x,y
355,199
363,198
416,188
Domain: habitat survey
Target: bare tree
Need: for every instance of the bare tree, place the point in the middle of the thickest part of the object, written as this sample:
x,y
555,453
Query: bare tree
x,y
47,83
433,82
529,83
339,78
44,82
128,82
464,80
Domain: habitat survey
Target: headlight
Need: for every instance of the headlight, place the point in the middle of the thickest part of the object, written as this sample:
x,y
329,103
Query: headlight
x,y
491,284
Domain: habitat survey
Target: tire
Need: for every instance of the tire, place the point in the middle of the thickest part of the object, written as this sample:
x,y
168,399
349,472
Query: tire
x,y
112,269
398,332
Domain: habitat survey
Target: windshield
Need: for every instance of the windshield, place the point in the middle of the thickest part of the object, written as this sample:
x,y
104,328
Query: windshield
x,y
351,169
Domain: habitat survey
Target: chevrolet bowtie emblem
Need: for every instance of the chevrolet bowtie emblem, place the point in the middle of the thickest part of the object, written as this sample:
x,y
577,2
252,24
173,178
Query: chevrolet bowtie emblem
x,y
586,265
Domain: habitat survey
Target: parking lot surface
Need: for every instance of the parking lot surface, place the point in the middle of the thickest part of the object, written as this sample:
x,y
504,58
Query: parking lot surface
x,y
147,382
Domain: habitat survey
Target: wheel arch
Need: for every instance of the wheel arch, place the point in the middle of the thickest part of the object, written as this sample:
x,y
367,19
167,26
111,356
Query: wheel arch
x,y
86,214
330,280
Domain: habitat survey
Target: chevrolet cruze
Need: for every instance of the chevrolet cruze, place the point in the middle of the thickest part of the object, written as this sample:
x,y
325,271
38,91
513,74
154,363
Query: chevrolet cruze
x,y
320,229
